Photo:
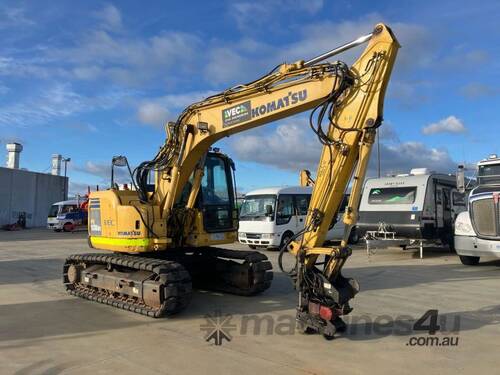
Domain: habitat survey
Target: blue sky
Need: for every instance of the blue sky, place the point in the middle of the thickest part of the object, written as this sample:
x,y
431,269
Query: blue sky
x,y
95,79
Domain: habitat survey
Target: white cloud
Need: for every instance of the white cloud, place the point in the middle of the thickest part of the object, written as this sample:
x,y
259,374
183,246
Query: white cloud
x,y
409,95
246,59
55,103
402,157
477,90
292,146
249,15
103,171
152,113
388,134
450,124
78,188
14,17
111,17
156,111
226,65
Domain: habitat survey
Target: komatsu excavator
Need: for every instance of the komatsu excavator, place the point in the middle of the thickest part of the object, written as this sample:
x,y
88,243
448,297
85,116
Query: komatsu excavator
x,y
162,238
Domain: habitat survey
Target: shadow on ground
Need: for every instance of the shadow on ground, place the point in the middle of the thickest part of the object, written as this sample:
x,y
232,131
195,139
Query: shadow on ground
x,y
30,270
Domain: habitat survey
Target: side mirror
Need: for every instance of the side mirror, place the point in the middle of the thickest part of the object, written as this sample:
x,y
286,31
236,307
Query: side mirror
x,y
117,161
269,210
461,179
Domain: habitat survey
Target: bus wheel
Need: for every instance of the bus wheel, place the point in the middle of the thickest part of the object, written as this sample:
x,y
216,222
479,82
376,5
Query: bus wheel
x,y
68,227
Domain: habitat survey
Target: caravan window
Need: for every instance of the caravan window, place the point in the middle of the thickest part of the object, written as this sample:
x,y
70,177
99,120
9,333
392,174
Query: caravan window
x,y
393,195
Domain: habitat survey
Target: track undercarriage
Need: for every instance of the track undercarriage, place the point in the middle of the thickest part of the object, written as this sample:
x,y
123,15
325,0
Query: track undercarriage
x,y
156,287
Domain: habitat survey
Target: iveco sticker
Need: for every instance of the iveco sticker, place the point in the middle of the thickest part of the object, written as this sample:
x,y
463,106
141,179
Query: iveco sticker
x,y
236,114
244,111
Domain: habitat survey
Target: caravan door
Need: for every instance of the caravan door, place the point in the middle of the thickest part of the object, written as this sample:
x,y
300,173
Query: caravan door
x,y
447,216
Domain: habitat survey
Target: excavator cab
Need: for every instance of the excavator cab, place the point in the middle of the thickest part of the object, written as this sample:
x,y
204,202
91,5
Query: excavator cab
x,y
216,213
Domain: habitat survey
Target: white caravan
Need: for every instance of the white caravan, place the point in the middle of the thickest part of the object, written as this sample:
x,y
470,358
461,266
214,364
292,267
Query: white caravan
x,y
415,208
477,231
270,217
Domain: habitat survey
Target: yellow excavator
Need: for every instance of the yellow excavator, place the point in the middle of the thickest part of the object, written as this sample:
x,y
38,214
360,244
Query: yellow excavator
x,y
162,235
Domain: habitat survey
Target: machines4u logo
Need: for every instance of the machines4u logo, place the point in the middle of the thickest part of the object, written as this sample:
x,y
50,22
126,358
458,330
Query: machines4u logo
x,y
244,111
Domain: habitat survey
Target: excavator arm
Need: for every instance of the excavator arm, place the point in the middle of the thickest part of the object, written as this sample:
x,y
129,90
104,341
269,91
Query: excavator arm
x,y
349,100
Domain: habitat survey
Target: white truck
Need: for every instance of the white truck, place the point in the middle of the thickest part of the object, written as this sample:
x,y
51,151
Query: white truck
x,y
477,230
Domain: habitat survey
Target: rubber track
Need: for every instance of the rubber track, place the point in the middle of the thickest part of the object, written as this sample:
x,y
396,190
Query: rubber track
x,y
171,274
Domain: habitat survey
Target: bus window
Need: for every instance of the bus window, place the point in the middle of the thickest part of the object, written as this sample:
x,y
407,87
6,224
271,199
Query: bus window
x,y
68,208
285,209
302,203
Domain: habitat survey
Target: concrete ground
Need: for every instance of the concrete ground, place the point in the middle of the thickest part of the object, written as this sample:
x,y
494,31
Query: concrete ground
x,y
45,331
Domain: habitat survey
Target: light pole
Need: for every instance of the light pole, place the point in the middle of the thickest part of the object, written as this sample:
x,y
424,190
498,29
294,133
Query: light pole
x,y
65,160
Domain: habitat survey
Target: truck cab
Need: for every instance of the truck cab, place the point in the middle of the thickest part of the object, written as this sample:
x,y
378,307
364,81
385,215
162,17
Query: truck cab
x,y
477,230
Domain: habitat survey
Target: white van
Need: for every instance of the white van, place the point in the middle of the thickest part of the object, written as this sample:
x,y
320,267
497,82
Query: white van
x,y
270,217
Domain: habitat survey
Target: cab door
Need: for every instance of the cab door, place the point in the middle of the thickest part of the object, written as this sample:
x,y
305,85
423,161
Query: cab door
x,y
217,195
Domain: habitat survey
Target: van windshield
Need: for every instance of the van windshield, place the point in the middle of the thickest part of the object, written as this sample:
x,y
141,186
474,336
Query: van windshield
x,y
53,210
254,206
393,195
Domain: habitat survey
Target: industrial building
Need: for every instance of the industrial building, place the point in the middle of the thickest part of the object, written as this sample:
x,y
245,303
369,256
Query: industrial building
x,y
26,193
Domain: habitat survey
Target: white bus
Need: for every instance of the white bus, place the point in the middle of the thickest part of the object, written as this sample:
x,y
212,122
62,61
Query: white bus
x,y
67,215
270,217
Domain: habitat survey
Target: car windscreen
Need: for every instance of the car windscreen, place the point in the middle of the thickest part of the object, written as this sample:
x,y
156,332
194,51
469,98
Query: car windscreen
x,y
393,195
254,206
